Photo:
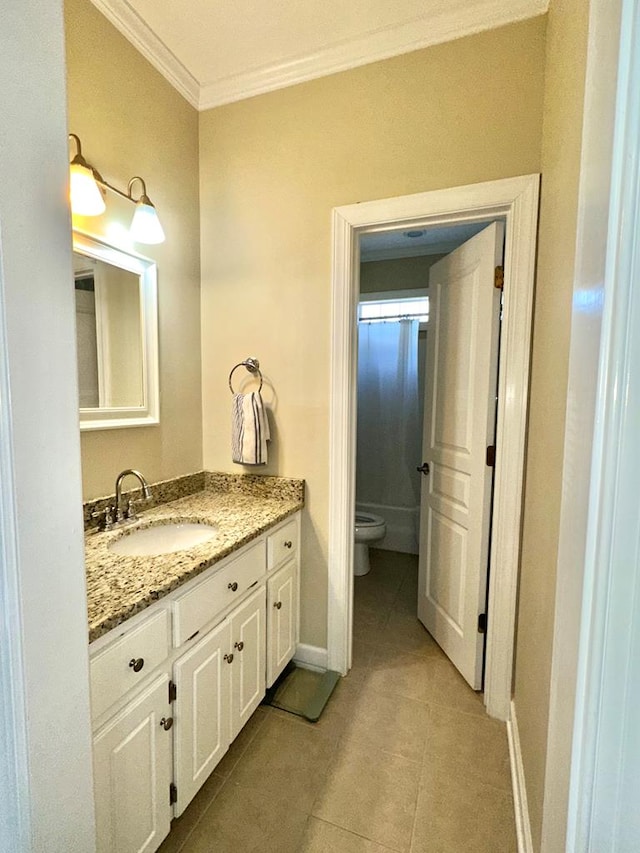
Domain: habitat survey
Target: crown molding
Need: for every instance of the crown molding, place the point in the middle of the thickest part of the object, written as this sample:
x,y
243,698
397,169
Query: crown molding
x,y
446,25
382,44
142,37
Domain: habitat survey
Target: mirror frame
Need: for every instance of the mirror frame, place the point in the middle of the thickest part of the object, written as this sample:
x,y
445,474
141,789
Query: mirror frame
x,y
149,413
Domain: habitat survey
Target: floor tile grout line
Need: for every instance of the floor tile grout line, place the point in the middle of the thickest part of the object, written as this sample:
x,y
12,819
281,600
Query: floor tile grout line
x,y
224,779
357,834
204,811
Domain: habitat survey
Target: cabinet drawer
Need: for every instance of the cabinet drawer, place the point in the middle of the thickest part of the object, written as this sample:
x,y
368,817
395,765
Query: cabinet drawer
x,y
125,663
203,602
282,544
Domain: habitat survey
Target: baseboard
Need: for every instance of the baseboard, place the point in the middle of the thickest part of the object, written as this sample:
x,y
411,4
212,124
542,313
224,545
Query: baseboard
x,y
521,808
311,657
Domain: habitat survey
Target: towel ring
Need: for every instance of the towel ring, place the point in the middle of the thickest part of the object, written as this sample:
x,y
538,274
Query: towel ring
x,y
252,365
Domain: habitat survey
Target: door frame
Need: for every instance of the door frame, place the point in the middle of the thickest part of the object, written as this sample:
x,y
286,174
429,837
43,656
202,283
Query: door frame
x,y
516,201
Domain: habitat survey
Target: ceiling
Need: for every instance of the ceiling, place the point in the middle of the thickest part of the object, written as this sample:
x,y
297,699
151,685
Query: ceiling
x,y
217,51
411,243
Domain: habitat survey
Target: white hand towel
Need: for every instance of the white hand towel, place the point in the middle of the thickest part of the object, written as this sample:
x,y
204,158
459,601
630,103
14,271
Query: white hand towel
x,y
249,429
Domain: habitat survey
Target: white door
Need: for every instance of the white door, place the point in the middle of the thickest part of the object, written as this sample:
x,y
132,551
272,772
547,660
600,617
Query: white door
x,y
459,425
203,679
248,636
132,774
281,620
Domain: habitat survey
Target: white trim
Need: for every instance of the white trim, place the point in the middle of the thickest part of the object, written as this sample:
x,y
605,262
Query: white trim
x,y
447,25
311,657
142,37
520,804
435,28
603,815
15,824
515,200
148,414
582,386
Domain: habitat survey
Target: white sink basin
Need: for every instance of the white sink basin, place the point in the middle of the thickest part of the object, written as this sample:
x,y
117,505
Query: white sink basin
x,y
162,539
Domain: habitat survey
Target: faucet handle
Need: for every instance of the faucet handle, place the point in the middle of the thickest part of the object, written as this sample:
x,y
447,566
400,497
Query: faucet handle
x,y
130,512
105,517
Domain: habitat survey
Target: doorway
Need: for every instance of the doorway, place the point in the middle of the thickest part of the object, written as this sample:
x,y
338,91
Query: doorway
x,y
516,201
424,426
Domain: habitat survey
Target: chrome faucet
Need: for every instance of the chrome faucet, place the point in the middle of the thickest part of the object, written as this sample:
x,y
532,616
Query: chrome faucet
x,y
146,492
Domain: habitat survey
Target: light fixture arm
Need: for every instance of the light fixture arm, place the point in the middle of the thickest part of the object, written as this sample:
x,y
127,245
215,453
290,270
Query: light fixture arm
x,y
80,160
145,223
143,194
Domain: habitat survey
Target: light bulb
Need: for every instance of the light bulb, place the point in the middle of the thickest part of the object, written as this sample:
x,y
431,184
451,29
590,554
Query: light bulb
x,y
86,198
145,225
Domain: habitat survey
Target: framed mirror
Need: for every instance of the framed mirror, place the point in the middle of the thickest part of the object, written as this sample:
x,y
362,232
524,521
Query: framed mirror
x,y
116,295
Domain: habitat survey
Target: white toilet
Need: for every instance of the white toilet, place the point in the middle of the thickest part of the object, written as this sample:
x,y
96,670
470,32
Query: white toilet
x,y
370,528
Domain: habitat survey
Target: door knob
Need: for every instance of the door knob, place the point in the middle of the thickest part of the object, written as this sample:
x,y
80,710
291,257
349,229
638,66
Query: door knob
x,y
424,468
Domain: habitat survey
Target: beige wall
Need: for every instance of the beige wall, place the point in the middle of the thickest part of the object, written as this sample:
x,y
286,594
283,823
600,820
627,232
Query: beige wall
x,y
561,144
271,170
396,273
132,122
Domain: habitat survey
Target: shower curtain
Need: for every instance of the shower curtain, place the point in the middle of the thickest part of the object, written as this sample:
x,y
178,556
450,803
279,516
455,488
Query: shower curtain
x,y
389,439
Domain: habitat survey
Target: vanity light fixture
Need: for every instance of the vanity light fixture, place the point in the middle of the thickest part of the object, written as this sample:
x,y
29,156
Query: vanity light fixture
x,y
145,225
86,198
88,188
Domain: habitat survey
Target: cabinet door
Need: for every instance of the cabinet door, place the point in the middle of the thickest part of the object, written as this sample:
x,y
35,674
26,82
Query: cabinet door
x,y
248,635
132,774
282,618
202,734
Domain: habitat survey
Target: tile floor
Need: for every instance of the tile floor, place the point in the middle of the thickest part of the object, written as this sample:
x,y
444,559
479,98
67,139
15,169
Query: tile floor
x,y
403,758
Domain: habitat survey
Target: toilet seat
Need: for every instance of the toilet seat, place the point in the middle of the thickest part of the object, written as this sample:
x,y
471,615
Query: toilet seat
x,y
368,519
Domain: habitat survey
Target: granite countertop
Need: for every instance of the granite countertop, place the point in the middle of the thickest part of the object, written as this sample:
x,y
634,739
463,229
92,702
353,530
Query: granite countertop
x,y
120,586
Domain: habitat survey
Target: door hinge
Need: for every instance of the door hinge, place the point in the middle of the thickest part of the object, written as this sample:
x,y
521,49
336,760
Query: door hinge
x,y
173,692
498,280
173,794
491,456
482,623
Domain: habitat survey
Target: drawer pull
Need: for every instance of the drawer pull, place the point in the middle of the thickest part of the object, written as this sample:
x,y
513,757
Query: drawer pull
x,y
278,605
239,646
166,723
229,658
136,664
288,544
232,586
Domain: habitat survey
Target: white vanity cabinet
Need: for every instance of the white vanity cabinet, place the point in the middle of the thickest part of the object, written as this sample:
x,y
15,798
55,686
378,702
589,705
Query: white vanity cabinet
x,y
172,687
247,667
132,773
203,715
221,681
282,597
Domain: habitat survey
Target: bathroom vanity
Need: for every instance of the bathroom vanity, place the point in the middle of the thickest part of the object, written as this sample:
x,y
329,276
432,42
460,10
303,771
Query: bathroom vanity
x,y
183,646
